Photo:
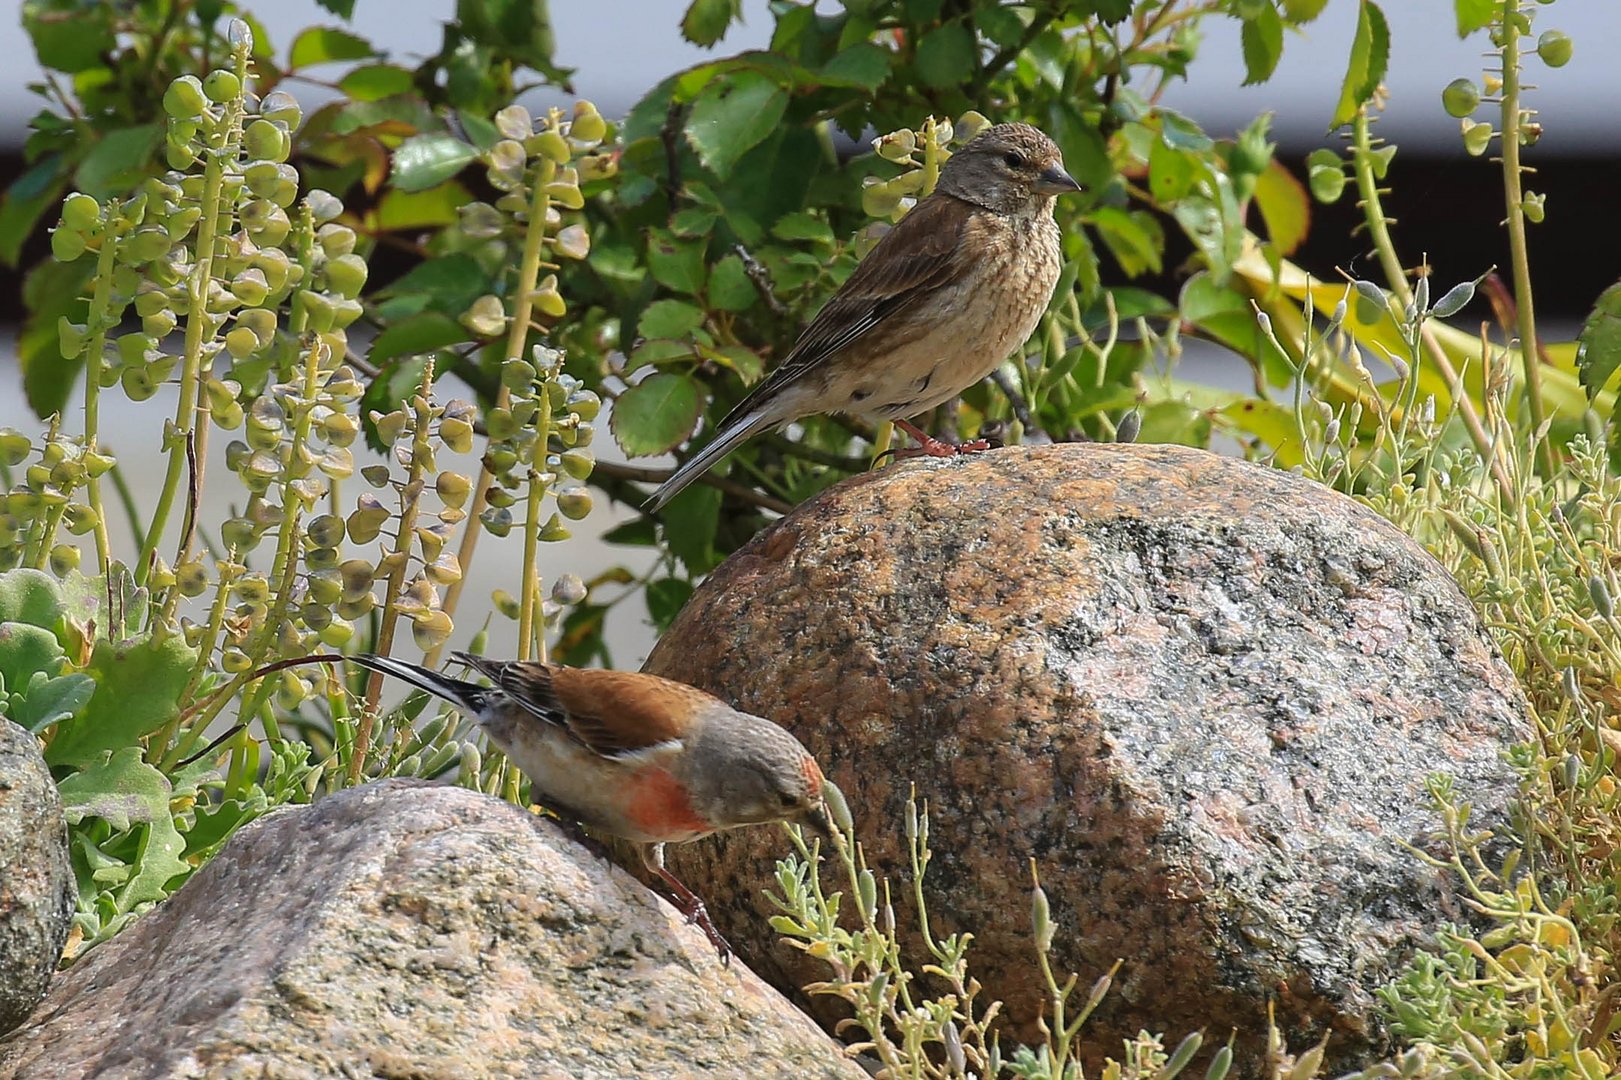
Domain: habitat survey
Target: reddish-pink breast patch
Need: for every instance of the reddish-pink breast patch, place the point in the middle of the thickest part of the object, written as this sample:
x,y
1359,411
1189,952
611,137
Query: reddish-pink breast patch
x,y
660,807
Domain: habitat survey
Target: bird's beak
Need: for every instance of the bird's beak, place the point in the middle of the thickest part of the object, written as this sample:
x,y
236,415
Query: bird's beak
x,y
1055,181
815,819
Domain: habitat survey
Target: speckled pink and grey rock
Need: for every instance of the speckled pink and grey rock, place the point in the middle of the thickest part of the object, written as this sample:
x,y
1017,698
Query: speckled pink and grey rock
x,y
1203,694
406,930
37,888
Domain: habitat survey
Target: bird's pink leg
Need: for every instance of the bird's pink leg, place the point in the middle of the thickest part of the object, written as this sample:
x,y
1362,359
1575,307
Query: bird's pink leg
x,y
688,903
929,446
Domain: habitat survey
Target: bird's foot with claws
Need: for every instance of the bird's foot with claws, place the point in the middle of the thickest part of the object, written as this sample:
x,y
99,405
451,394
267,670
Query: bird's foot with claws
x,y
698,916
929,446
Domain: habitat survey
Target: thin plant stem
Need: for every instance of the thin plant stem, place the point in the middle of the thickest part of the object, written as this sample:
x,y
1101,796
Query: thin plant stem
x,y
100,302
517,333
1513,195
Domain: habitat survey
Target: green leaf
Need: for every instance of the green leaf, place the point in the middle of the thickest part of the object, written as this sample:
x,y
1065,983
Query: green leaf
x,y
803,225
730,287
373,82
1134,237
945,56
691,521
731,115
343,9
1174,422
118,161
1474,14
26,201
1285,207
120,789
669,319
1263,45
864,66
521,29
326,45
418,334
675,264
1598,352
68,40
448,284
437,206
31,596
26,651
1370,55
706,21
51,290
656,414
665,598
1304,11
423,161
1170,172
47,701
138,688
1112,11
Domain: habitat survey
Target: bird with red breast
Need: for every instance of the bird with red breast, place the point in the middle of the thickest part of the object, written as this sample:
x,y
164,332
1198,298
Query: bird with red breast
x,y
634,755
936,306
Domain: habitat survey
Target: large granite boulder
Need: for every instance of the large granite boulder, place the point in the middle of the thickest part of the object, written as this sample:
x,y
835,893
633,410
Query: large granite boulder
x,y
1203,694
37,888
407,930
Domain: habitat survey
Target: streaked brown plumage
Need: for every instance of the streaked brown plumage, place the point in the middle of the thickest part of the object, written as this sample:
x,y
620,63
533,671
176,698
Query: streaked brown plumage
x,y
936,306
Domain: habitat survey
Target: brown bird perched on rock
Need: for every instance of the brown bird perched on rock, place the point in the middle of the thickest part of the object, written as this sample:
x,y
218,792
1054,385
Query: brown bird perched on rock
x,y
936,306
654,761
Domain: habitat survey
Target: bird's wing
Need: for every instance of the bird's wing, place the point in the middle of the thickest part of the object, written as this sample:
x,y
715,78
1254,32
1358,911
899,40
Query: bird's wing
x,y
921,254
616,714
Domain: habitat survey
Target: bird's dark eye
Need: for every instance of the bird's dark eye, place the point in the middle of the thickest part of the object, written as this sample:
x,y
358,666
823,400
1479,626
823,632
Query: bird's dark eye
x,y
788,801
1013,159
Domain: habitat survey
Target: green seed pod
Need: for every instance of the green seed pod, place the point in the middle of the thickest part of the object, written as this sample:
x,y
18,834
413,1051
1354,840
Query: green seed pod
x,y
1555,48
457,435
346,275
584,404
81,213
554,530
250,287
568,589
80,519
325,585
191,578
356,576
325,530
280,107
265,141
251,588
572,242
339,429
1603,603
1476,137
497,520
71,337
1460,98
506,603
320,311
1221,1063
587,126
575,503
336,240
66,244
444,570
138,383
337,633
549,144
221,86
64,559
365,525
431,629
577,463
1183,1054
452,488
241,343
838,809
184,99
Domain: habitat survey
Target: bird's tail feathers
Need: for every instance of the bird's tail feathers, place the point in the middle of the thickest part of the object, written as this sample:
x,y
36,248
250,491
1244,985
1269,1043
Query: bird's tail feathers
x,y
732,435
467,696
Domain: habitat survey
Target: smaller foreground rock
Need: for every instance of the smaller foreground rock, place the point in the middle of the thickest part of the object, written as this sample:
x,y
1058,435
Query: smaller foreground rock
x,y
36,876
406,930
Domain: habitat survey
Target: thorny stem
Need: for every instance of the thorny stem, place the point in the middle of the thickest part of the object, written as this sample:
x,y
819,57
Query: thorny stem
x,y
1513,194
517,333
1396,278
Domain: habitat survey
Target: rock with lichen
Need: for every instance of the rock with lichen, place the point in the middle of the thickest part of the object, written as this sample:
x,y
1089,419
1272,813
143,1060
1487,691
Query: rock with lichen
x,y
37,887
407,930
1205,696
